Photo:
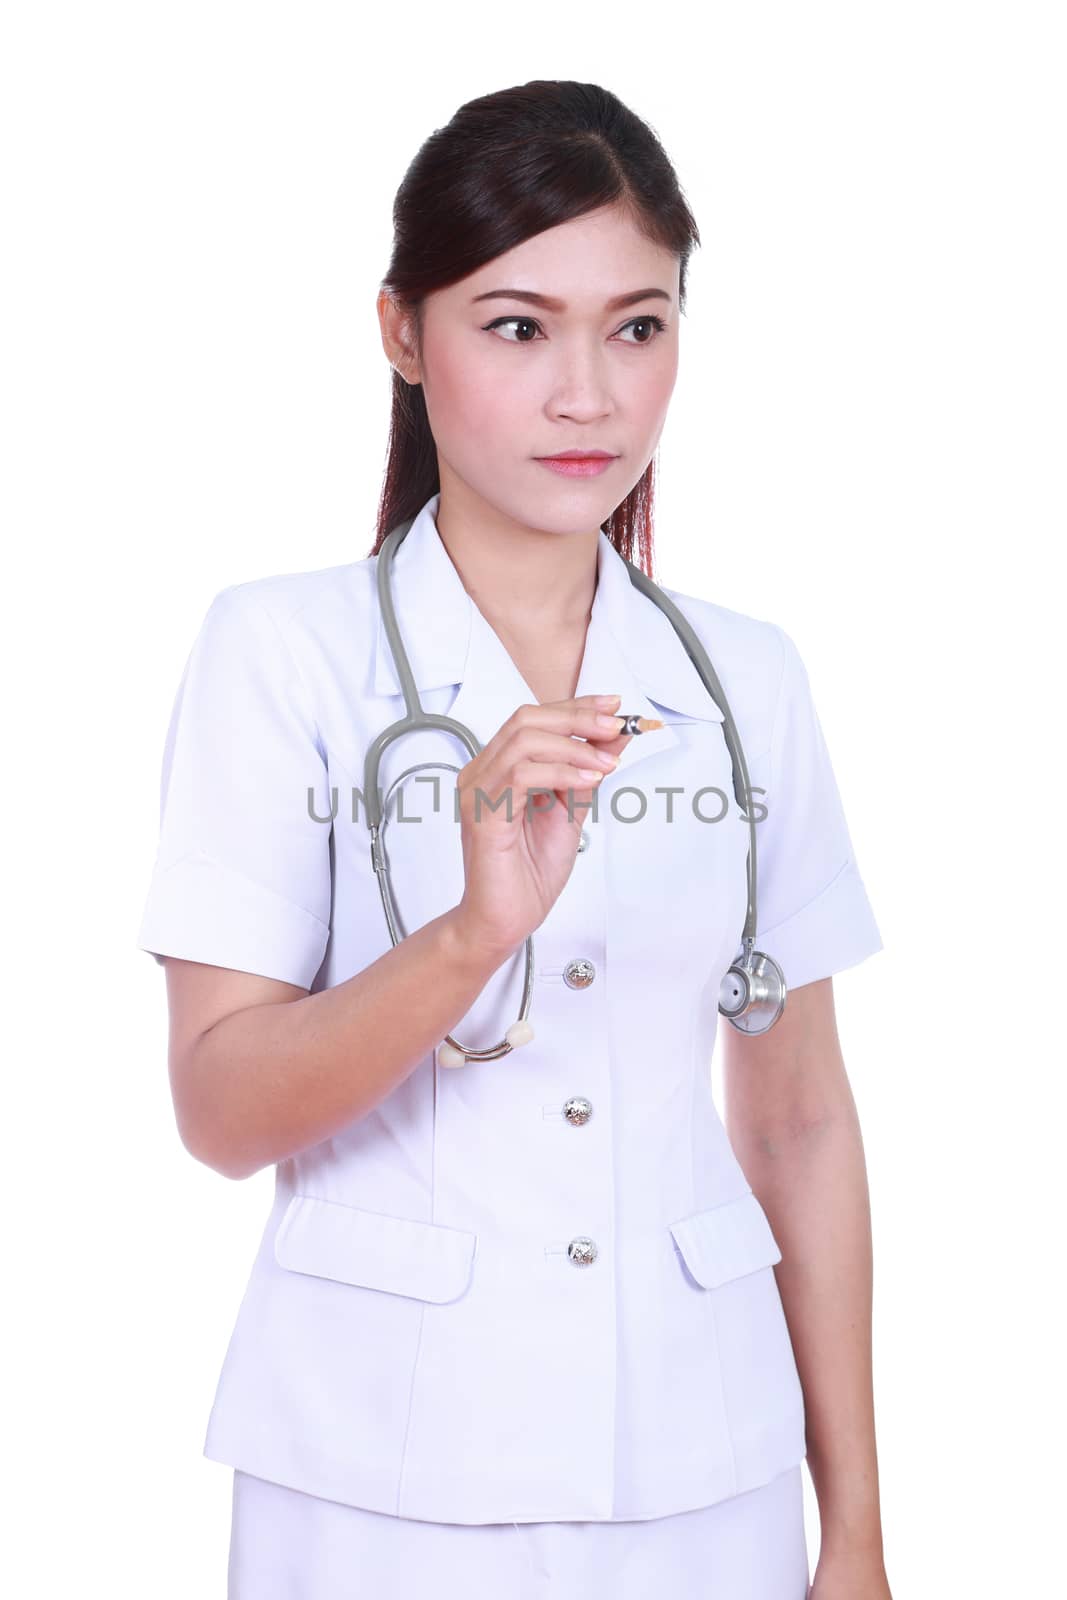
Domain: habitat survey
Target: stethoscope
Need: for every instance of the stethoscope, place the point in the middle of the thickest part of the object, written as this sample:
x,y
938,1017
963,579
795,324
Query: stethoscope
x,y
752,992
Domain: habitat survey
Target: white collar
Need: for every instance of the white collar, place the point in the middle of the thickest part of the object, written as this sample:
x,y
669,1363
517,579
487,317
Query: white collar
x,y
631,649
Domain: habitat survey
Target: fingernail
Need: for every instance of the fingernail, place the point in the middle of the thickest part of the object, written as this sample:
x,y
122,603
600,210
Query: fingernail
x,y
608,699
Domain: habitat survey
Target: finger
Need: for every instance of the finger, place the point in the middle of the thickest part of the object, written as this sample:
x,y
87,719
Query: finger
x,y
578,762
579,717
540,744
573,718
530,784
555,775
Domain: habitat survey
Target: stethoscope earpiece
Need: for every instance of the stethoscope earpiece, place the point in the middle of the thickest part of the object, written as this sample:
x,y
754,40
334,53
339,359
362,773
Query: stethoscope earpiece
x,y
453,1055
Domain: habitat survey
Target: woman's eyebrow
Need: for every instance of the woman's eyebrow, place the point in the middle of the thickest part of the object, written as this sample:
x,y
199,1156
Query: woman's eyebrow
x,y
549,304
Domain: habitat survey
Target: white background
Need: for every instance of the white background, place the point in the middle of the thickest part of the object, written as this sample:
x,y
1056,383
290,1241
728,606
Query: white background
x,y
865,445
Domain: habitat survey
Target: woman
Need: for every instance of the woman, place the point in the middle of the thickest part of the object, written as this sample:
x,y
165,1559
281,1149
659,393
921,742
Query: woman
x,y
515,1328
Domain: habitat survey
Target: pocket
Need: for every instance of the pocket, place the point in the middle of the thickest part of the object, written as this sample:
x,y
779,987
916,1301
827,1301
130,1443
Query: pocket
x,y
728,1252
372,1250
727,1241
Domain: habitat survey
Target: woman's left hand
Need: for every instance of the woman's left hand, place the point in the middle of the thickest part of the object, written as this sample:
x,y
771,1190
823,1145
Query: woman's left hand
x,y
849,1577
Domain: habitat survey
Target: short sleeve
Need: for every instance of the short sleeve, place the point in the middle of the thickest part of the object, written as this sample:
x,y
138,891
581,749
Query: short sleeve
x,y
813,913
242,873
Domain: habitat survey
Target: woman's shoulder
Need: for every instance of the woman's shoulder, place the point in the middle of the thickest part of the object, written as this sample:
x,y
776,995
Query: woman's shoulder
x,y
743,633
316,615
319,595
751,656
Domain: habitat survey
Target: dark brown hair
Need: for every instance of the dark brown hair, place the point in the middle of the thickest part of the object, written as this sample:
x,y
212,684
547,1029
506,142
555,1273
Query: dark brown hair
x,y
506,167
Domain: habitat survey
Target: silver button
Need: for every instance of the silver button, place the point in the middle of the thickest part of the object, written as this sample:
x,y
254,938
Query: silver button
x,y
583,1252
577,1110
583,841
579,974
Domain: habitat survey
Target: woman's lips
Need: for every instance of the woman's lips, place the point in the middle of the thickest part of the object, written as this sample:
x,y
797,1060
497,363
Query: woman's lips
x,y
577,466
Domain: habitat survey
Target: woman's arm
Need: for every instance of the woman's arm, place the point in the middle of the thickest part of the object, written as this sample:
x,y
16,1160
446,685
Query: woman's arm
x,y
792,1122
260,1069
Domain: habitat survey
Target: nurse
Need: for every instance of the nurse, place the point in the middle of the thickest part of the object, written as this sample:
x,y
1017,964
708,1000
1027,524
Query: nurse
x,y
533,1325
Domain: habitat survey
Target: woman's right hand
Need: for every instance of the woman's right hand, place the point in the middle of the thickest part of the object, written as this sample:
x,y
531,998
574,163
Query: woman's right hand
x,y
517,857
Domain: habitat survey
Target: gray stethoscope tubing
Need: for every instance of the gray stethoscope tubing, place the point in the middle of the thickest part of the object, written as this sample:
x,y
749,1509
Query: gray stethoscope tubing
x,y
413,719
752,993
380,861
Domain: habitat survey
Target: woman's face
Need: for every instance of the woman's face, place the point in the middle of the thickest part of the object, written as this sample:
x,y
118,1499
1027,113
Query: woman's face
x,y
552,366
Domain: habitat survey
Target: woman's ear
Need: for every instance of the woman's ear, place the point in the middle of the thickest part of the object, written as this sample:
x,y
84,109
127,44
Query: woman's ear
x,y
396,323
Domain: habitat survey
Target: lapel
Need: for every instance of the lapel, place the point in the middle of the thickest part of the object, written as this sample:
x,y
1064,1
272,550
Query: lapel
x,y
631,649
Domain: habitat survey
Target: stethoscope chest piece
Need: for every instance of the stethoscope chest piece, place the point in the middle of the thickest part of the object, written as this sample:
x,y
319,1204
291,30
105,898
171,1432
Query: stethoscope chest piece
x,y
752,993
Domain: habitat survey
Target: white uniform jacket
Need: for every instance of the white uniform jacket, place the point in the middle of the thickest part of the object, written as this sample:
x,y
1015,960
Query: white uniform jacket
x,y
423,1332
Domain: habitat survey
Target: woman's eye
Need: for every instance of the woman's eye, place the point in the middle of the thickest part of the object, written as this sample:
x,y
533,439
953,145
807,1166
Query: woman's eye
x,y
503,322
528,322
655,322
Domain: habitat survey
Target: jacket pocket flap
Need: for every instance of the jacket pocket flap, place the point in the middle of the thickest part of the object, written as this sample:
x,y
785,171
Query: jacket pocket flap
x,y
726,1241
372,1250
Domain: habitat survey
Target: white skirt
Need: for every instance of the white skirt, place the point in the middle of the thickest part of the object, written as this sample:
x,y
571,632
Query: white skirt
x,y
287,1545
